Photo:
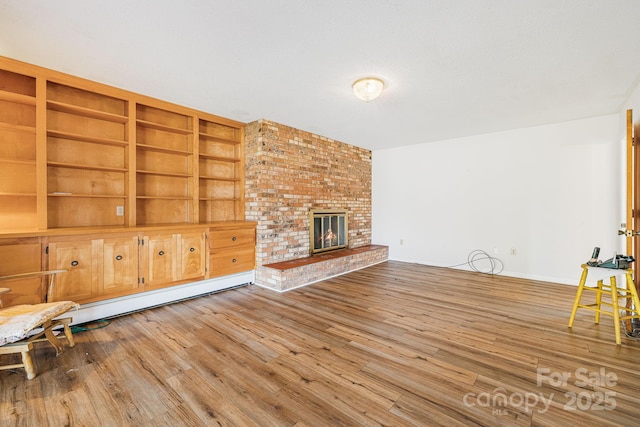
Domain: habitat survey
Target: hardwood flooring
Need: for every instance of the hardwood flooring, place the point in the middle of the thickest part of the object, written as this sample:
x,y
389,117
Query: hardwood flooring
x,y
396,344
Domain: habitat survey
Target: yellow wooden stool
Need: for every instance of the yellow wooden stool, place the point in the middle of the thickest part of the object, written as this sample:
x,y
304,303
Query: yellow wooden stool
x,y
612,307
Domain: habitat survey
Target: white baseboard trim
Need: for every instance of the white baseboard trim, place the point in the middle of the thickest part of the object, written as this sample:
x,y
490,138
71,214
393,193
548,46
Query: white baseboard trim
x,y
559,280
130,303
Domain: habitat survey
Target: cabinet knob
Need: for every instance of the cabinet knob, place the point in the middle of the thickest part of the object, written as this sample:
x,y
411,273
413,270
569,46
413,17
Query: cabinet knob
x,y
233,260
74,263
118,257
233,239
161,253
192,249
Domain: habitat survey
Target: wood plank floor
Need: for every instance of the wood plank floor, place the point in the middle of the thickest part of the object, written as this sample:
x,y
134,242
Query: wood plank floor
x,y
396,344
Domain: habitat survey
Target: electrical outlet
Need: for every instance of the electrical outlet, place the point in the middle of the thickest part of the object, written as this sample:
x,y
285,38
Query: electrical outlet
x,y
119,210
514,251
401,242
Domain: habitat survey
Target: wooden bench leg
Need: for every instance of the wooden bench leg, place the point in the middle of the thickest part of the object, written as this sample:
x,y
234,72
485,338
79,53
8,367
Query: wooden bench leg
x,y
51,337
67,331
28,364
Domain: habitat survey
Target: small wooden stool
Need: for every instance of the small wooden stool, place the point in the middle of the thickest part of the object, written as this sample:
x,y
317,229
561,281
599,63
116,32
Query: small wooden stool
x,y
25,346
20,324
615,293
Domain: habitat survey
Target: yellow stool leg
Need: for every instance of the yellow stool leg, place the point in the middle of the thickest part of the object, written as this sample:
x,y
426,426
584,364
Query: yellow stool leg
x,y
616,309
598,301
583,280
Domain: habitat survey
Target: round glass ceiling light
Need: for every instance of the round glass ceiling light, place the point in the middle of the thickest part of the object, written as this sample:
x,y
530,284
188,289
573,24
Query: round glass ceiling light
x,y
368,88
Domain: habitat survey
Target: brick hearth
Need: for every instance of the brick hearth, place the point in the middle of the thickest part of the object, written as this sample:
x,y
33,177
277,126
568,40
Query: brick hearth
x,y
288,173
303,271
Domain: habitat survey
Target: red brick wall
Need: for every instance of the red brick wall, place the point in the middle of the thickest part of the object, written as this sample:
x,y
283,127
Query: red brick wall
x,y
289,172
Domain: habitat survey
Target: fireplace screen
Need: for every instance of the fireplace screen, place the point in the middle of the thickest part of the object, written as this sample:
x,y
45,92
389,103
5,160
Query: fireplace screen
x,y
328,230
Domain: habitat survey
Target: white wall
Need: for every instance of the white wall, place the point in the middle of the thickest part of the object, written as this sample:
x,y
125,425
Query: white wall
x,y
634,103
551,192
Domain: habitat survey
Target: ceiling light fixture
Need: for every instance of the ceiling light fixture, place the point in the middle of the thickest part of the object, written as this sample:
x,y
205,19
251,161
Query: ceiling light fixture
x,y
368,88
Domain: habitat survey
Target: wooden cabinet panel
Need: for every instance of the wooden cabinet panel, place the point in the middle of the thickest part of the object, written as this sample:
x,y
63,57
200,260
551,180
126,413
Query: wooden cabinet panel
x,y
80,259
192,251
120,265
19,258
173,257
160,257
97,268
22,258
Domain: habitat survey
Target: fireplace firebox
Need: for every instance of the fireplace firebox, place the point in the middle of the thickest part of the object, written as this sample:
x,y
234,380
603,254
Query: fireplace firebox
x,y
328,230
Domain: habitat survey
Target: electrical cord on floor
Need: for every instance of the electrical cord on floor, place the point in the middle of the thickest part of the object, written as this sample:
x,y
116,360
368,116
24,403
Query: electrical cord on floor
x,y
634,334
98,324
496,266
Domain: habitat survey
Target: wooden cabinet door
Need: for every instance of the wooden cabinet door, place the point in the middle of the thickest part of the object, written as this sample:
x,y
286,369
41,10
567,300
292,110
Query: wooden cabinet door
x,y
192,255
120,265
21,258
80,259
160,257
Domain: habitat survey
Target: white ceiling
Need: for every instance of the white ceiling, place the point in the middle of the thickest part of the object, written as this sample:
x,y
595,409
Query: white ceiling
x,y
452,67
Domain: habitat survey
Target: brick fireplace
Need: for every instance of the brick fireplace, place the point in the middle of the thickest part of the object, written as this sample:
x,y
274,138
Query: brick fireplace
x,y
289,173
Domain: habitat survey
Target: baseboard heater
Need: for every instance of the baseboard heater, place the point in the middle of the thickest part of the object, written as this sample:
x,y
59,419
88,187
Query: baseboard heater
x,y
145,300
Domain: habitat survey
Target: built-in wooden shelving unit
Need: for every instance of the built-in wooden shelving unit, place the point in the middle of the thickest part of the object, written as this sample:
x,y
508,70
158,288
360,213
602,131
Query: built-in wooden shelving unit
x,y
126,192
75,153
